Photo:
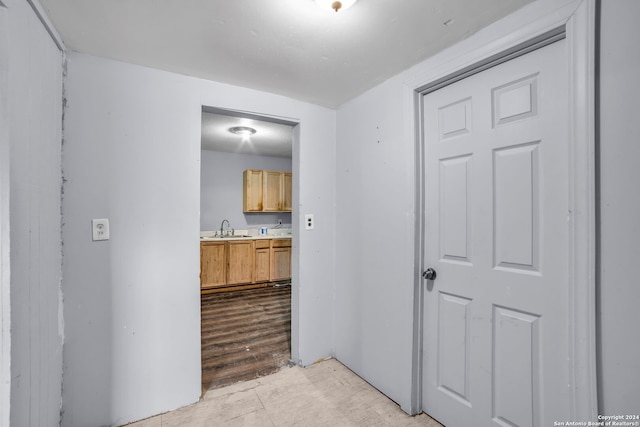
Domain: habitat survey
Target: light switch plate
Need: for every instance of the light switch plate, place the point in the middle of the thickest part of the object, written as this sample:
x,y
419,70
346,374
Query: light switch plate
x,y
100,228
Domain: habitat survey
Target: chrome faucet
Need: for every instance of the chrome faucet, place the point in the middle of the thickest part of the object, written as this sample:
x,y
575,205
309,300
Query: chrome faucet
x,y
222,227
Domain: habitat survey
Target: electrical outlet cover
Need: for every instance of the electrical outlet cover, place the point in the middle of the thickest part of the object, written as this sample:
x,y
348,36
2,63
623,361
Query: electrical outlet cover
x,y
309,223
100,229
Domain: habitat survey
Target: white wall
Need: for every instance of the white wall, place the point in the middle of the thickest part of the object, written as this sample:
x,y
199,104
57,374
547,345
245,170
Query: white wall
x,y
221,190
374,250
132,154
35,122
619,293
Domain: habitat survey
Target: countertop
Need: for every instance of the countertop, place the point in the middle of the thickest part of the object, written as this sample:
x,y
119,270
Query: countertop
x,y
277,233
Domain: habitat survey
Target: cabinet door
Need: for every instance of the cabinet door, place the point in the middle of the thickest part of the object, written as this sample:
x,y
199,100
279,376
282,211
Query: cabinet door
x,y
271,191
240,262
280,263
252,190
212,264
263,265
287,185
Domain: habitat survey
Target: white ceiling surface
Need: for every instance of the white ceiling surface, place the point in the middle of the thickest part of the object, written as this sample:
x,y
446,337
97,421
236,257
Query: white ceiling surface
x,y
288,47
270,139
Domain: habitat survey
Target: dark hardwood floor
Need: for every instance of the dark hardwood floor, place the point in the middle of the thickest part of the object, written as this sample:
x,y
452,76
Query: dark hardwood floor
x,y
245,334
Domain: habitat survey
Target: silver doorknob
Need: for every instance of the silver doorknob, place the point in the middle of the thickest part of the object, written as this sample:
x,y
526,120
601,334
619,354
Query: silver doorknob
x,y
429,274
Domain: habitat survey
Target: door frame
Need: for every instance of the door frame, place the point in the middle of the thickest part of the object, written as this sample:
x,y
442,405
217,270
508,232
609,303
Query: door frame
x,y
529,28
295,124
5,261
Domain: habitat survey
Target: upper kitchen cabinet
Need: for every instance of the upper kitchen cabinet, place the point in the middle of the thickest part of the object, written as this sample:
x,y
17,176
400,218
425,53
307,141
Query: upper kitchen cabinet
x,y
276,191
252,190
288,190
267,191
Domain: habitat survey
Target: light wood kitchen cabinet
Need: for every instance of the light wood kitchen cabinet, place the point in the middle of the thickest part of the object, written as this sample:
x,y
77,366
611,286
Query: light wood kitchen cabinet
x,y
243,262
262,261
280,259
287,199
275,186
252,190
213,264
267,191
240,261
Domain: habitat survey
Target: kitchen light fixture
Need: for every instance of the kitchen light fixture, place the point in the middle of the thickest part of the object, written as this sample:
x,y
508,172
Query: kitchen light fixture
x,y
242,130
335,4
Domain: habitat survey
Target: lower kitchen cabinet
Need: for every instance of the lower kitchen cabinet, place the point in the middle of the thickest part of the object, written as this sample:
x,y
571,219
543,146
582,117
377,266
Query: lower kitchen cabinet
x,y
240,262
213,264
280,259
262,261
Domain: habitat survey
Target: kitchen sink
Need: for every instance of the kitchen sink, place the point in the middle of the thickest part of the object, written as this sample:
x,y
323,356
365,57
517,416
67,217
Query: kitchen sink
x,y
236,236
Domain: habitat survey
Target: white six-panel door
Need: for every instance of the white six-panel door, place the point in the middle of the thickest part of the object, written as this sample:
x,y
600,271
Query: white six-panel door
x,y
495,344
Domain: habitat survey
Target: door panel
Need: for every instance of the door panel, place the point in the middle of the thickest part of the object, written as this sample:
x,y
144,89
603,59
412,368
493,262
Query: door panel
x,y
453,347
496,200
516,366
515,193
455,227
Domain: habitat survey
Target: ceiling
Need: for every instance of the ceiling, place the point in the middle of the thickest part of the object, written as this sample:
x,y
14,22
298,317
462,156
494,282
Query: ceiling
x,y
273,139
287,47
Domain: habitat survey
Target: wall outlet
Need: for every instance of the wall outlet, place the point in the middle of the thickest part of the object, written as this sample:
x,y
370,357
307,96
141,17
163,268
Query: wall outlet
x,y
309,223
100,229
279,221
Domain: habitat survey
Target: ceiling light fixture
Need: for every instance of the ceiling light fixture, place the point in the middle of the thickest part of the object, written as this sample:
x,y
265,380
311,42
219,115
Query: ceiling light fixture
x,y
335,4
242,130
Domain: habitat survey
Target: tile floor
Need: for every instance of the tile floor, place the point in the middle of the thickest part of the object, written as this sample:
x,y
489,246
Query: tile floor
x,y
324,394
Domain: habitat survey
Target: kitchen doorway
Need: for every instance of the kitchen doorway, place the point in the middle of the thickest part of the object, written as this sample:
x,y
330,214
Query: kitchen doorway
x,y
246,216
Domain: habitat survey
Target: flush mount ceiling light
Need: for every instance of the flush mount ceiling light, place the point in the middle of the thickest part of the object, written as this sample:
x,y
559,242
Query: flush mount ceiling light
x,y
242,130
335,4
